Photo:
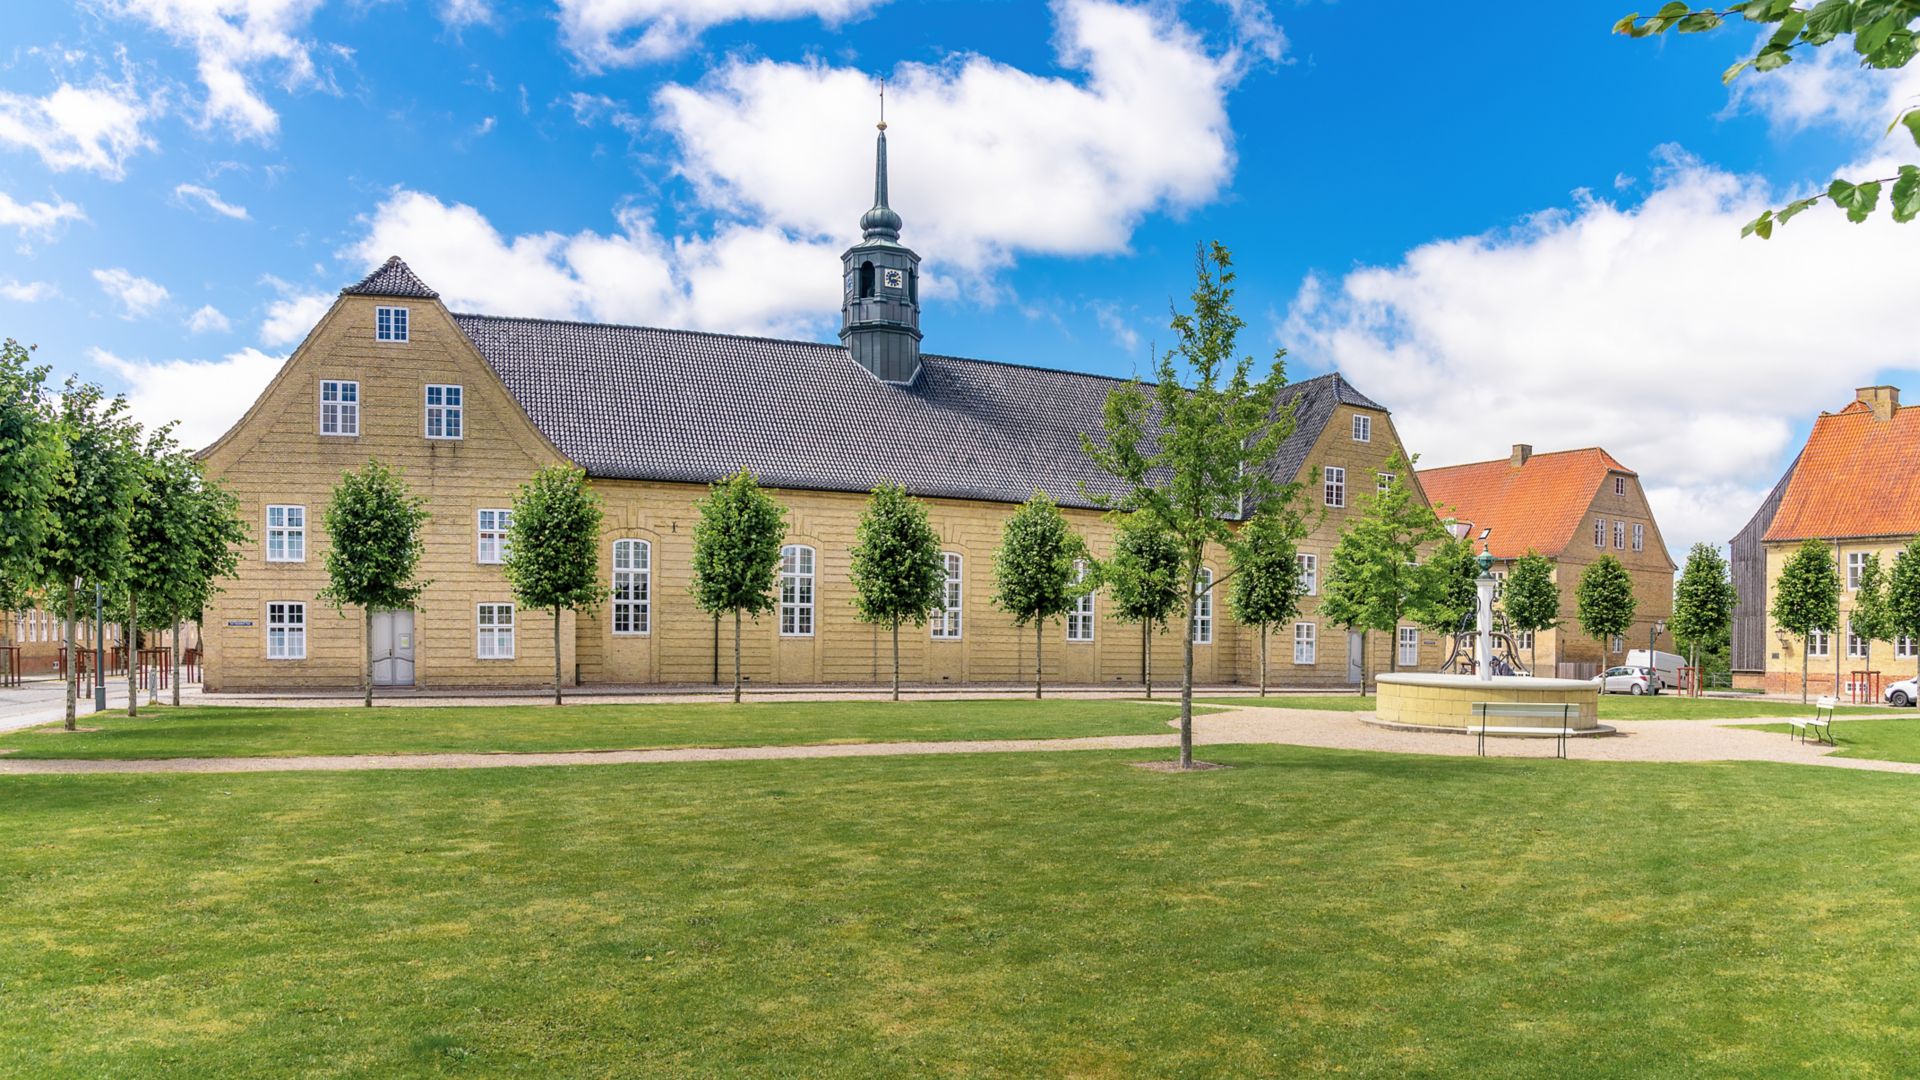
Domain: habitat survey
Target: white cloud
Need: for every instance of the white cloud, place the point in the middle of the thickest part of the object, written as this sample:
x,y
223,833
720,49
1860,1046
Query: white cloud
x,y
26,292
1831,87
38,218
96,128
604,33
988,160
458,13
230,39
290,317
210,199
1653,330
1117,325
136,295
203,397
208,318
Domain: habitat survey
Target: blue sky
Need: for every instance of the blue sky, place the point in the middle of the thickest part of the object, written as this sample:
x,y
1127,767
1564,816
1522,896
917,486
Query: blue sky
x,y
1518,230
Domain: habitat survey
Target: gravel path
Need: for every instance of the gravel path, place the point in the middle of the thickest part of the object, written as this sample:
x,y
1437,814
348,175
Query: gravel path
x,y
1663,740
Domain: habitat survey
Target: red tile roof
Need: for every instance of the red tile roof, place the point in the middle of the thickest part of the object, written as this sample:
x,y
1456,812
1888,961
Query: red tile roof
x,y
1857,477
1539,506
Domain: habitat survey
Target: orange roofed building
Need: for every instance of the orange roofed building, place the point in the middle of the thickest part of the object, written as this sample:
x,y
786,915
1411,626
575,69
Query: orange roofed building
x,y
1572,506
1856,488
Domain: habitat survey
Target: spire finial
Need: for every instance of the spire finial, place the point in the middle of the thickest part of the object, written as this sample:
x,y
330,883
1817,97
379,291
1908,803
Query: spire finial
x,y
883,103
881,223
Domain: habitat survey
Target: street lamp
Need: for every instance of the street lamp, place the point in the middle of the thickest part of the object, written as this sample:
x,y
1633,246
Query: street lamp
x,y
99,650
1653,670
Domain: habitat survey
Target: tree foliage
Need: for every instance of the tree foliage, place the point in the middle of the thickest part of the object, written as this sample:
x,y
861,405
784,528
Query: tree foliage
x,y
736,553
553,549
1703,601
1807,598
32,461
1266,585
1871,618
1882,35
1903,593
1604,600
1455,592
373,525
1034,571
898,573
1196,451
1142,582
1531,599
1374,575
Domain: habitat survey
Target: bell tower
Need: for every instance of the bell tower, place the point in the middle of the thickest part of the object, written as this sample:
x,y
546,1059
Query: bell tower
x,y
880,302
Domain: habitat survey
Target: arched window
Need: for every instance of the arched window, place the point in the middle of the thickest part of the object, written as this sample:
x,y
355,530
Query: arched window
x,y
1203,609
913,286
866,279
946,617
796,591
632,586
1080,615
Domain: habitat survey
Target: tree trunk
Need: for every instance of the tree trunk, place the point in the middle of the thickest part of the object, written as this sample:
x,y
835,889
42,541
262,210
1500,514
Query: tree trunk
x,y
1533,654
1146,655
896,659
1186,676
556,654
176,663
366,673
1263,659
736,656
1039,644
73,658
1363,662
1804,662
133,654
1393,650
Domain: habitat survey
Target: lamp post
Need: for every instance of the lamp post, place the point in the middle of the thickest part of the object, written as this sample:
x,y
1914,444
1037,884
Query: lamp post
x,y
99,650
1483,621
1653,669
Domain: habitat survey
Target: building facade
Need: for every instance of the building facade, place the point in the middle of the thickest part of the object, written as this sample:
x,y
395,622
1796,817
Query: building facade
x,y
1572,506
468,406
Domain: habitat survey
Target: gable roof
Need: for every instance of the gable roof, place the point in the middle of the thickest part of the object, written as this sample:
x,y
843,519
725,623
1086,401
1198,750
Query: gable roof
x,y
1855,477
1538,506
639,403
391,278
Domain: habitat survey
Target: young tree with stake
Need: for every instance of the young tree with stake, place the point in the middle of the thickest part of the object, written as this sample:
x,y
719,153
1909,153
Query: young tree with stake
x,y
1903,595
209,532
1142,580
1807,598
1702,603
898,574
32,461
1035,574
1197,452
92,508
1267,587
1531,601
736,553
1872,618
373,527
1605,604
1374,575
1455,592
553,549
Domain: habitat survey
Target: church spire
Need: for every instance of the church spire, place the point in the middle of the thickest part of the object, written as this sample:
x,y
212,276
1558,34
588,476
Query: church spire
x,y
880,223
880,315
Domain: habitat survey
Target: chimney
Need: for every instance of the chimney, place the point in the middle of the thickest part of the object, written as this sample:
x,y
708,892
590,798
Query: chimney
x,y
1883,400
1521,452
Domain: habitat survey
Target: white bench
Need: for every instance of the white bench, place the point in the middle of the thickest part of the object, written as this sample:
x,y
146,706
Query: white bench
x,y
1820,724
1486,712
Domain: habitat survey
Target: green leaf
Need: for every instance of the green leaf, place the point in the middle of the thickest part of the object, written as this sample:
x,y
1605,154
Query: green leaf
x,y
1733,72
1911,118
1628,25
1772,59
1858,200
1906,194
1877,33
1793,209
1761,226
1828,20
1699,22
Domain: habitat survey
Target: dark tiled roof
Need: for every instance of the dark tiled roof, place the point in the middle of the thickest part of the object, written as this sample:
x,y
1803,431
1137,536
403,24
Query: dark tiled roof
x,y
626,402
393,278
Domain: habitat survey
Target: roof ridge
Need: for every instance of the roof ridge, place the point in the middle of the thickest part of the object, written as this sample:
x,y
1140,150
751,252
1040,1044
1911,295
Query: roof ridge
x,y
1601,450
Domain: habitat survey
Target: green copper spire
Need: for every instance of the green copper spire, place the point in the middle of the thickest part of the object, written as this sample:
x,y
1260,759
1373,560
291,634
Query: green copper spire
x,y
880,223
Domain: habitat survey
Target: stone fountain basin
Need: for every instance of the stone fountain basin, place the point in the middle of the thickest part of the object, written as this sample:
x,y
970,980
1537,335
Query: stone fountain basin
x,y
1432,702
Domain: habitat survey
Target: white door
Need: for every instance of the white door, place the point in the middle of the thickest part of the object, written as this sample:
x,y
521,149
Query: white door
x,y
1355,649
393,648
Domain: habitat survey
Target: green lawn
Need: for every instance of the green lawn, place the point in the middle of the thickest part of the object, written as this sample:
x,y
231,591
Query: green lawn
x,y
1883,740
1011,915
1612,706
235,731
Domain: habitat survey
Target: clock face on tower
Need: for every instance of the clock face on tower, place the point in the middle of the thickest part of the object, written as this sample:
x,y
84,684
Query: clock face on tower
x,y
893,279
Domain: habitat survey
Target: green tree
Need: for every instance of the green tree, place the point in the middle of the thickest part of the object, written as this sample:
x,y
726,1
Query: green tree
x,y
1531,600
1267,587
553,549
208,531
1198,452
1872,617
898,573
1455,590
736,553
148,548
1142,580
1881,33
32,461
1903,595
91,508
1807,598
373,527
1604,602
1034,572
1374,578
1703,604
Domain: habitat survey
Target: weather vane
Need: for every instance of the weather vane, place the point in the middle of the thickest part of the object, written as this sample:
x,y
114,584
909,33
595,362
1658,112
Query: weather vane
x,y
883,103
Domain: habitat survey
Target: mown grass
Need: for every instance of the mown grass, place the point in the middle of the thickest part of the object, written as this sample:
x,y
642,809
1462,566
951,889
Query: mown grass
x,y
242,731
1892,739
1013,915
1612,706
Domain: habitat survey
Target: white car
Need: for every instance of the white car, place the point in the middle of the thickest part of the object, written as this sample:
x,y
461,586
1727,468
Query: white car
x,y
1903,693
1622,680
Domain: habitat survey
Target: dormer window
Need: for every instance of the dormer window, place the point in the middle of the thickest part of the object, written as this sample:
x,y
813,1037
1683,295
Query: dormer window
x,y
1619,485
390,324
1363,429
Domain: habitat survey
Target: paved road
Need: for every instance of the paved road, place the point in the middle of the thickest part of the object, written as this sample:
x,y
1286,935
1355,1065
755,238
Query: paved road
x,y
43,701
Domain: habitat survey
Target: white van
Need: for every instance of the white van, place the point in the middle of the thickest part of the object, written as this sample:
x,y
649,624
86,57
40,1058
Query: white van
x,y
1666,666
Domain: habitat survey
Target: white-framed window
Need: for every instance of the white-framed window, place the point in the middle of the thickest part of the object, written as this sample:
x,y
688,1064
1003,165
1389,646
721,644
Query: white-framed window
x,y
339,407
286,533
1409,646
1639,537
1618,643
1619,485
1817,643
1303,643
390,324
796,591
946,617
1620,535
1523,640
632,586
286,630
494,622
1362,428
1383,482
1203,609
1309,573
1856,645
1903,647
1856,565
1336,493
1080,615
1600,533
491,530
446,412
